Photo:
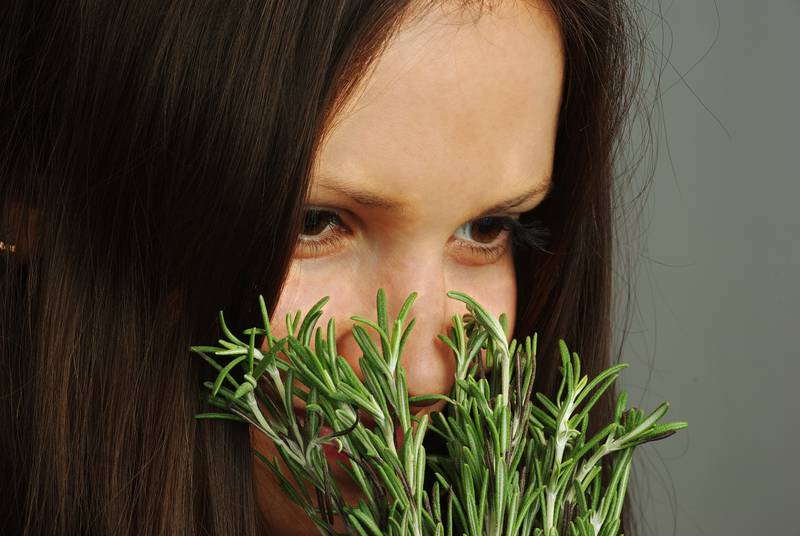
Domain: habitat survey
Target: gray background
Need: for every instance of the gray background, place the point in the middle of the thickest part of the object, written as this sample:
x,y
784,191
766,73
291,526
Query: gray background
x,y
716,325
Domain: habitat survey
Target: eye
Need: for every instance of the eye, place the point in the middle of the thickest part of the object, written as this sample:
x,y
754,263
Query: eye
x,y
485,229
481,236
322,231
531,234
317,221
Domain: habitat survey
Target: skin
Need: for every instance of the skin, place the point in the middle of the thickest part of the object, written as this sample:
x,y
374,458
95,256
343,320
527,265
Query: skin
x,y
457,116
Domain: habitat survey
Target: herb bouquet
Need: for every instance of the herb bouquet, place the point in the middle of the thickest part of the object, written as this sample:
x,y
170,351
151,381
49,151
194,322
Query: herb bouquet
x,y
516,463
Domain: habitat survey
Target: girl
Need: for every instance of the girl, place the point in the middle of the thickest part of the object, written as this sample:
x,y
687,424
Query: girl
x,y
164,160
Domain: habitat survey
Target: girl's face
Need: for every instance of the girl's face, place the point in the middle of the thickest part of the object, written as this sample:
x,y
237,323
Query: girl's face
x,y
458,118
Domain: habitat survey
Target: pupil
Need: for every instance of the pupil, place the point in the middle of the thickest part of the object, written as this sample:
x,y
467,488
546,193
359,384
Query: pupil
x,y
313,219
485,226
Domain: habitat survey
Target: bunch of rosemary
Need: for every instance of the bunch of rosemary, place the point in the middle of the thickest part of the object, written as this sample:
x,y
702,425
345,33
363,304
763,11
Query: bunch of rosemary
x,y
513,466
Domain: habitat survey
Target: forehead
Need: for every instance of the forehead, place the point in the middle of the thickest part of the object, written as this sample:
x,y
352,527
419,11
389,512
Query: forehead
x,y
454,103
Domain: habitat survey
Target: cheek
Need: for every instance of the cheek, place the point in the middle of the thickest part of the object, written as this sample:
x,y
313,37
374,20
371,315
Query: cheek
x,y
494,288
305,286
300,292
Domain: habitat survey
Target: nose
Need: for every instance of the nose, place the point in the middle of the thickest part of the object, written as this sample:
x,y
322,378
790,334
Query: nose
x,y
428,362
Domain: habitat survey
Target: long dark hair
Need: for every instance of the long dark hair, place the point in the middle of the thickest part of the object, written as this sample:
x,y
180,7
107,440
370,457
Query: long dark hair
x,y
154,161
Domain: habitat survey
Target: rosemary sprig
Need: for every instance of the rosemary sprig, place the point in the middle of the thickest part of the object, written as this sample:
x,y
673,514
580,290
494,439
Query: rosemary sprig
x,y
516,463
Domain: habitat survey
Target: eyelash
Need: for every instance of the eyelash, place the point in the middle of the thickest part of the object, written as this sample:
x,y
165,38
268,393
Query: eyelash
x,y
523,235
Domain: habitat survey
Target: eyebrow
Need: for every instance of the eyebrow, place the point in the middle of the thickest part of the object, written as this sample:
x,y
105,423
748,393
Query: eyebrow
x,y
545,188
369,199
